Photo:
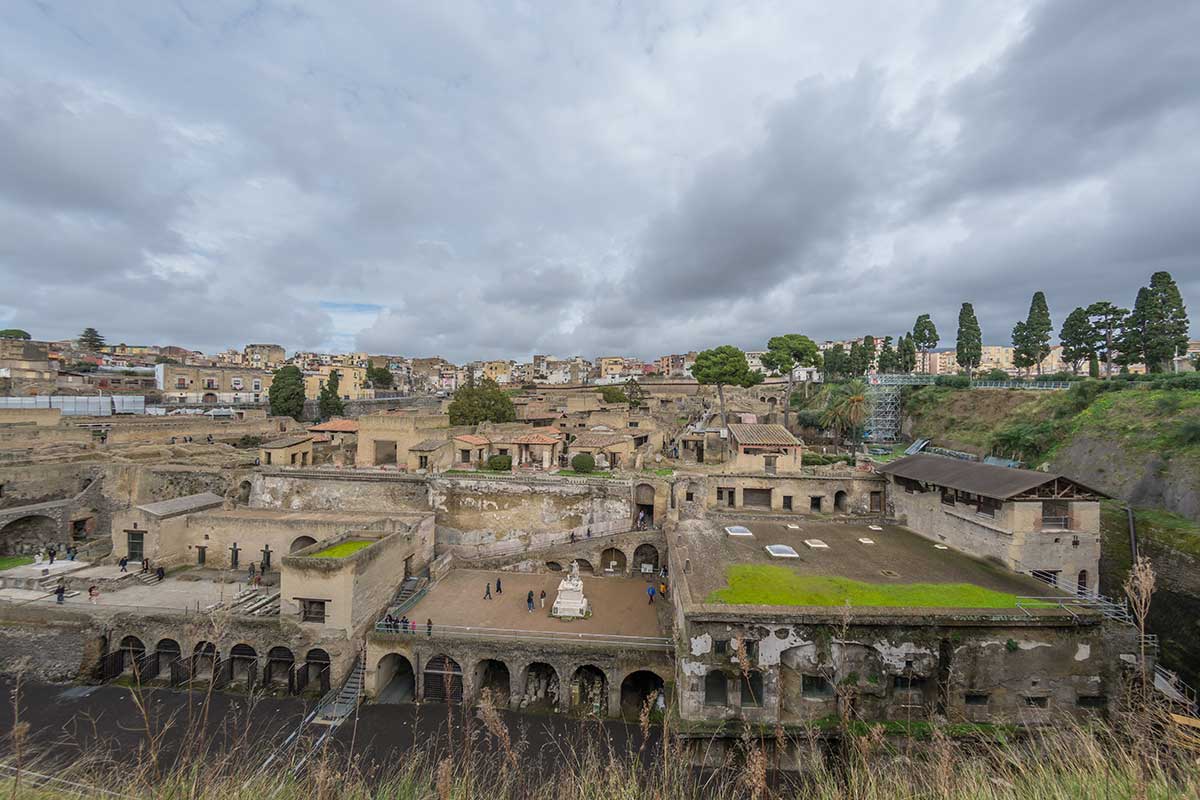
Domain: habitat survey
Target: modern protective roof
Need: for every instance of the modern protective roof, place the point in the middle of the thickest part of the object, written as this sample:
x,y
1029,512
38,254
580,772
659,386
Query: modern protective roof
x,y
287,441
761,434
988,480
429,445
600,439
182,505
336,426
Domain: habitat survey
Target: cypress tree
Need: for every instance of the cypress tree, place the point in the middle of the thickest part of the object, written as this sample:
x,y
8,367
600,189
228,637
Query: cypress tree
x,y
1078,338
1167,328
1031,338
969,346
924,338
887,356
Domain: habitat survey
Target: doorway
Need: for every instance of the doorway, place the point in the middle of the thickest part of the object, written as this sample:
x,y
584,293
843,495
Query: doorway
x,y
135,545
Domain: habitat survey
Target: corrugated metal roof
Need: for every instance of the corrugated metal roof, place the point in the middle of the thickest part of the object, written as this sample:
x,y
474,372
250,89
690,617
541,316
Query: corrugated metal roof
x,y
763,434
287,441
987,480
183,505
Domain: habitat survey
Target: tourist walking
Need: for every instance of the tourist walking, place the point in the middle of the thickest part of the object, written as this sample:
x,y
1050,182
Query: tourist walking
x,y
124,562
93,594
543,598
51,552
487,591
650,591
429,627
250,569
662,589
529,601
60,591
161,574
498,589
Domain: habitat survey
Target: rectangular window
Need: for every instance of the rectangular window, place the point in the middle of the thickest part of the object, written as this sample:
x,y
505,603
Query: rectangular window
x,y
1092,701
464,455
814,504
503,451
909,682
876,502
689,497
257,385
947,497
716,689
312,610
769,464
976,699
987,507
1037,702
721,647
423,462
752,690
181,383
787,502
815,686
633,424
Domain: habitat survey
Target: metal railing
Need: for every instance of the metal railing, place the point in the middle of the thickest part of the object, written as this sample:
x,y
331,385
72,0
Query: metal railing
x,y
461,631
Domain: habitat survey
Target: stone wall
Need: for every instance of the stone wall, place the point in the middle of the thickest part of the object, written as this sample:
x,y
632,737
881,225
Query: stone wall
x,y
336,491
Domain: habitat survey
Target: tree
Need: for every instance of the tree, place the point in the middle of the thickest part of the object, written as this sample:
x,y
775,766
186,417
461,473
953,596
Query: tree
x,y
887,356
379,377
14,333
1031,338
286,395
1078,338
329,401
165,360
848,409
583,462
635,394
857,361
906,354
968,349
91,339
836,363
613,394
868,344
724,366
924,338
1165,331
1107,319
482,402
786,353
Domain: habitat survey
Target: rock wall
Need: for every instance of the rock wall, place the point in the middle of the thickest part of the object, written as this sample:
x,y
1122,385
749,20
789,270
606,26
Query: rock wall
x,y
1142,478
346,492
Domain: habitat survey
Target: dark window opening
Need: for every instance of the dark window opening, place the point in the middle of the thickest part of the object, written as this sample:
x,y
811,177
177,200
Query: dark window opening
x,y
752,689
814,503
716,689
815,686
689,497
876,502
909,682
1092,701
1037,702
787,502
312,610
976,699
721,647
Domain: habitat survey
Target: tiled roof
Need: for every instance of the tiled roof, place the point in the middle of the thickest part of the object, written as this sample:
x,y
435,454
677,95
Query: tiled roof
x,y
472,439
600,439
287,441
760,434
536,438
336,426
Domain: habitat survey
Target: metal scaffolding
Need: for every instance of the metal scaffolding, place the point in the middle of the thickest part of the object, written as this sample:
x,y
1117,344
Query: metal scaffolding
x,y
883,425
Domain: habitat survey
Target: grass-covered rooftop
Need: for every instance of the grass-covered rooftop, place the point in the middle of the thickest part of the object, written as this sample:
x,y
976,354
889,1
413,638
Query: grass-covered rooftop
x,y
342,549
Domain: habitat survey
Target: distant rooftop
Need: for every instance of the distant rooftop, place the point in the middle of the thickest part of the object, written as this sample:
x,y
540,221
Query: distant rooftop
x,y
183,505
762,434
988,480
287,441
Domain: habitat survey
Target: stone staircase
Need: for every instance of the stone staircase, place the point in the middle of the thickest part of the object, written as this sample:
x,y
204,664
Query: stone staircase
x,y
334,710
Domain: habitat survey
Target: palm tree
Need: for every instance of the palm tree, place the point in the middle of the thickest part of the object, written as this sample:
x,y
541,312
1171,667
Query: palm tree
x,y
848,409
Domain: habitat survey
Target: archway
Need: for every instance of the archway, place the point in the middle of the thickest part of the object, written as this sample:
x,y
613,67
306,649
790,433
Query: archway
x,y
554,566
612,561
395,681
168,653
643,498
541,687
1081,583
134,650
204,659
244,493
645,555
637,689
443,680
244,663
839,501
493,676
301,542
318,665
28,535
589,691
208,397
585,566
279,663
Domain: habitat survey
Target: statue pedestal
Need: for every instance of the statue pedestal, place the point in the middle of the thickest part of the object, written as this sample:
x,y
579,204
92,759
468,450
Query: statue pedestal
x,y
570,602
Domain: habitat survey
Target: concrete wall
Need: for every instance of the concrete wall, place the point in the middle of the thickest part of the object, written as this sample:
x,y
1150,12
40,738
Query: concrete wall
x,y
857,489
336,491
41,417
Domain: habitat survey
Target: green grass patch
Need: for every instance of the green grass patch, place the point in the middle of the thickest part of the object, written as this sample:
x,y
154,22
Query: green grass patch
x,y
769,585
570,473
343,549
8,562
476,472
662,472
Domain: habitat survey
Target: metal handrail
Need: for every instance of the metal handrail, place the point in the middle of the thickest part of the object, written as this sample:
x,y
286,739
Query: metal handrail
x,y
645,642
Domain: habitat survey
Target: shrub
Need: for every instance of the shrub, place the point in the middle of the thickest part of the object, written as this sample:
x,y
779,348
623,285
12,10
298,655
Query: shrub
x,y
954,381
613,394
996,374
249,441
583,462
1188,433
500,463
1056,377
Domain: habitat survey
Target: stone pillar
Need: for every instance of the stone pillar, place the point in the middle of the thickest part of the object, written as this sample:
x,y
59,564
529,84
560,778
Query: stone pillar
x,y
614,694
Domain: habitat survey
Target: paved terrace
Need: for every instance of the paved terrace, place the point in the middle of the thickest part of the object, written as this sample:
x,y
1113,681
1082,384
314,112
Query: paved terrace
x,y
897,557
620,606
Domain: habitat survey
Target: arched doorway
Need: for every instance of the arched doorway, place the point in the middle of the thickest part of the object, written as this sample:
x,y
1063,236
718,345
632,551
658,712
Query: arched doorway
x,y
134,651
585,566
204,659
319,666
28,535
554,566
279,663
208,397
243,664
301,542
1081,583
643,512
540,687
646,555
839,501
443,680
395,681
244,493
637,689
589,691
168,653
493,676
612,561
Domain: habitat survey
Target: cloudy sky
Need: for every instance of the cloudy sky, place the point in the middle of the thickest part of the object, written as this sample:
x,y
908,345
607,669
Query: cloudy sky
x,y
480,180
